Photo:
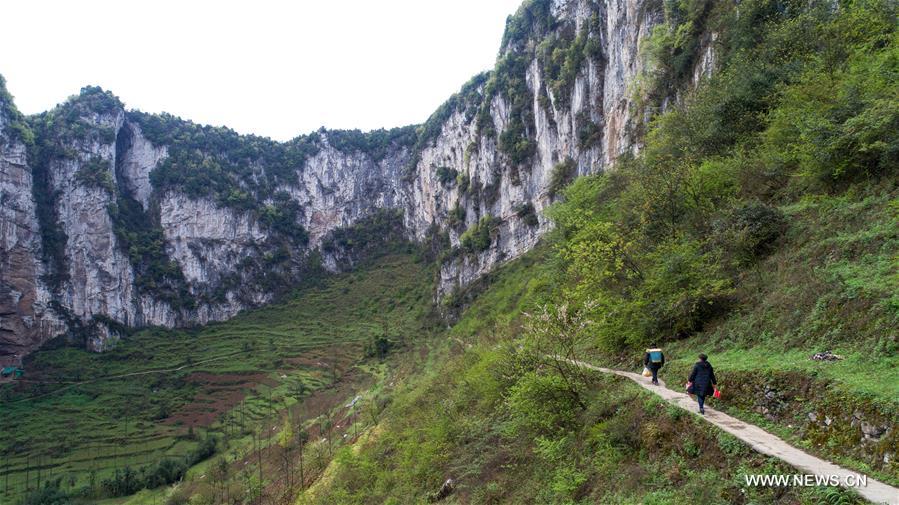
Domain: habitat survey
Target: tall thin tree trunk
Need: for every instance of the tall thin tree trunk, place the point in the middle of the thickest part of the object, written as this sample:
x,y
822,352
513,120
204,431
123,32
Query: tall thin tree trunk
x,y
302,475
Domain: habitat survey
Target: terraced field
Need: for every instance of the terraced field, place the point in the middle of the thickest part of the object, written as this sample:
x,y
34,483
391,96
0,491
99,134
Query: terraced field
x,y
79,417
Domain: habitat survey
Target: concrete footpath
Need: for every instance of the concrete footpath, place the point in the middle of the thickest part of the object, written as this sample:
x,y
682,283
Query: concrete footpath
x,y
764,442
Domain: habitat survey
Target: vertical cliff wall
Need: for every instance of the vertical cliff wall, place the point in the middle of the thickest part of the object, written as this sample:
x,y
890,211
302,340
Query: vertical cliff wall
x,y
559,104
26,318
115,219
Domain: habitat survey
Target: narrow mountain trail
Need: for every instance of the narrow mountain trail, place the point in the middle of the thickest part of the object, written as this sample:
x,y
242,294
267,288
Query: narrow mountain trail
x,y
762,441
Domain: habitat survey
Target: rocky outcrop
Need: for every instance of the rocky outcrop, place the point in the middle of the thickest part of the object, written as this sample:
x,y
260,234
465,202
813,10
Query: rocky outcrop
x,y
138,158
202,249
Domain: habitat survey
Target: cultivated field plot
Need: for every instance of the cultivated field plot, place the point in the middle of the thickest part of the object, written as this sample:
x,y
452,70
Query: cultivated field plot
x,y
79,417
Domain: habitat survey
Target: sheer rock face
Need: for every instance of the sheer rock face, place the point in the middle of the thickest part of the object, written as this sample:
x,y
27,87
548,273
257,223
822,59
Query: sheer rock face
x,y
139,158
26,319
100,279
600,94
213,245
338,188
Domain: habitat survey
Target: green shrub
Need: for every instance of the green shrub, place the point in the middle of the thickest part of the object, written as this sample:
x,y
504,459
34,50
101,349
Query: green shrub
x,y
456,216
589,133
752,229
49,495
515,143
446,175
378,346
479,237
527,213
96,173
282,217
562,174
532,19
16,126
464,183
844,127
539,404
562,56
683,288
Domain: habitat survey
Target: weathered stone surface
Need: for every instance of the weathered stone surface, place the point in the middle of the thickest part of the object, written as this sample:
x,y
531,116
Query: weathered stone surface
x,y
139,158
26,319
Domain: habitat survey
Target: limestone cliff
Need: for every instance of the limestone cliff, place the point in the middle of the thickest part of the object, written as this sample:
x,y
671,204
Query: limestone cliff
x,y
26,318
116,219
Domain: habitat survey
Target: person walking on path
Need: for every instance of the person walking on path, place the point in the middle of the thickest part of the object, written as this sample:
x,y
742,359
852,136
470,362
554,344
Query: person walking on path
x,y
702,381
654,359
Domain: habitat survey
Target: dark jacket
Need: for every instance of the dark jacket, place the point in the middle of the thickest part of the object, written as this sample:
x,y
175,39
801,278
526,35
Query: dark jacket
x,y
649,364
703,378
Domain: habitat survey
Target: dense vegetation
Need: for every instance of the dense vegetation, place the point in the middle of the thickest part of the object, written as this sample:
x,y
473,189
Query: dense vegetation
x,y
376,143
467,101
370,237
17,126
479,237
242,171
506,426
140,235
660,244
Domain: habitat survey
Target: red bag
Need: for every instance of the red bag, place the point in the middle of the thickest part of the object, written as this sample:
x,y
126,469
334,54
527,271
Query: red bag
x,y
717,394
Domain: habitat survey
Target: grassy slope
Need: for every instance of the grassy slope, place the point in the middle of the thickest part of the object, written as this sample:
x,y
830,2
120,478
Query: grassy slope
x,y
454,420
829,284
260,357
832,285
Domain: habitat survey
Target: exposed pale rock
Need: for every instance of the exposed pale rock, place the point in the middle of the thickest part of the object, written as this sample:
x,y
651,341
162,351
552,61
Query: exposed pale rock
x,y
139,158
26,318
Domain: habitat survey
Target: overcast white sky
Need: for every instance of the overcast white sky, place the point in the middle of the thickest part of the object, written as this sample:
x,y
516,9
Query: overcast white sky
x,y
273,68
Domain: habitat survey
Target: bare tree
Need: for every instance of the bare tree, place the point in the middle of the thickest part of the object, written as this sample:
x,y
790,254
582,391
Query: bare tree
x,y
257,446
302,438
286,442
220,476
326,425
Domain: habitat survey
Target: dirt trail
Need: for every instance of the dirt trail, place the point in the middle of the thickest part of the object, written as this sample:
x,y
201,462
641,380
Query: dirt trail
x,y
762,441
